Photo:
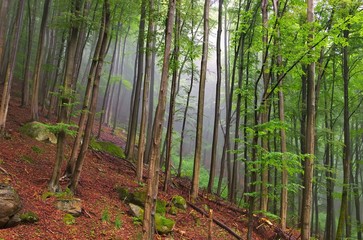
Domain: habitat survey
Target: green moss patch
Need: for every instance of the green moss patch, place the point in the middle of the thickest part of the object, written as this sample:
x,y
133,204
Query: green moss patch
x,y
107,147
163,225
29,217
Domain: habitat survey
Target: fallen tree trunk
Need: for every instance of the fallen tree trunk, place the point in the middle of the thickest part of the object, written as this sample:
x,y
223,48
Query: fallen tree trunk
x,y
219,223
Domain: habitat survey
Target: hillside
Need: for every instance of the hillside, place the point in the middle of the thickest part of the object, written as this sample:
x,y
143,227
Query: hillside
x,y
26,164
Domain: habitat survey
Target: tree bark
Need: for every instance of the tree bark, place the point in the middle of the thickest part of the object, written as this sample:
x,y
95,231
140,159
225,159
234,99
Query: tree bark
x,y
145,96
5,99
346,148
104,39
66,93
39,62
217,103
310,139
131,140
153,180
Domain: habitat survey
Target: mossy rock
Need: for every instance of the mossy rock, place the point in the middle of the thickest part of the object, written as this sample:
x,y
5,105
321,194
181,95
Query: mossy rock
x,y
38,131
163,225
138,198
173,210
179,202
107,147
29,217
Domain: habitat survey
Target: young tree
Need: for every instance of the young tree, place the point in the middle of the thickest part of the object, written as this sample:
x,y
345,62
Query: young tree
x,y
39,62
218,101
203,73
145,95
131,138
310,137
103,42
153,180
66,94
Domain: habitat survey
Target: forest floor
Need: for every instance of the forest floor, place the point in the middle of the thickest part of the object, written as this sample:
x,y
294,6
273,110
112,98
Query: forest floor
x,y
28,171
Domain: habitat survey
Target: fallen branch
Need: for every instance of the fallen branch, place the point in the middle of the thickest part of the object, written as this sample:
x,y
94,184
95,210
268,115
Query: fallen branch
x,y
4,171
219,223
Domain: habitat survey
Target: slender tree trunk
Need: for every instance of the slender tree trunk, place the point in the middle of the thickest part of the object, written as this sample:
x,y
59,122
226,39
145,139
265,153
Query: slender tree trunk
x,y
86,105
106,95
104,39
5,99
131,141
31,19
346,148
39,62
145,96
4,7
118,99
176,65
199,134
65,95
217,103
59,69
310,140
153,180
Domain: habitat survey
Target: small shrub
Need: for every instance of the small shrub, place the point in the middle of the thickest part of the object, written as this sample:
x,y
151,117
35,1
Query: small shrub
x,y
105,216
118,222
37,149
68,219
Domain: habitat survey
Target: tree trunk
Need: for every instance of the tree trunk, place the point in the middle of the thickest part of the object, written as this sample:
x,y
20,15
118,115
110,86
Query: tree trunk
x,y
310,139
107,91
86,105
346,148
145,96
153,180
118,99
217,103
11,65
3,28
199,130
175,68
31,26
131,140
65,95
39,62
104,39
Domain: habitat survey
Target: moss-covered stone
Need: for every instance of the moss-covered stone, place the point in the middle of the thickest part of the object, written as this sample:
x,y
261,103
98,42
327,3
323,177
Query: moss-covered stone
x,y
138,198
39,131
163,225
29,217
107,147
161,207
179,202
173,210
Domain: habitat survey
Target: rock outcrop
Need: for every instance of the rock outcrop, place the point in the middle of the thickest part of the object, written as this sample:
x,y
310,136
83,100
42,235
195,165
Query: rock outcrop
x,y
10,206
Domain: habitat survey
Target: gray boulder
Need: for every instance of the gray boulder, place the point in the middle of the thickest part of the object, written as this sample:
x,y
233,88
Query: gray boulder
x,y
10,205
72,206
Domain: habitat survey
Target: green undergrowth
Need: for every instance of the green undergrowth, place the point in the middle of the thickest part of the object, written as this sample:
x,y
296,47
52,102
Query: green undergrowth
x,y
107,147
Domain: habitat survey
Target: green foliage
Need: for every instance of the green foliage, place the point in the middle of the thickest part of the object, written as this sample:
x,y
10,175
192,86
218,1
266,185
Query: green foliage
x,y
69,219
29,217
107,147
37,149
118,222
64,195
26,159
105,217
